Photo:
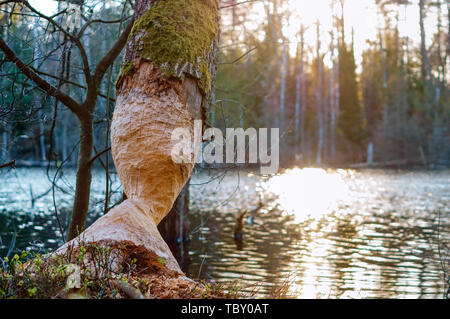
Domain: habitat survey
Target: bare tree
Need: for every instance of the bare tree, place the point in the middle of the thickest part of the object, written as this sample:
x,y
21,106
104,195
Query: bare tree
x,y
300,93
83,109
425,65
332,99
319,100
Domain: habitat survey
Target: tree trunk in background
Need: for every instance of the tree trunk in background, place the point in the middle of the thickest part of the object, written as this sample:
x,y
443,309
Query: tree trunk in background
x,y
5,124
303,101
273,69
320,115
235,39
37,102
332,101
157,92
283,87
5,134
447,49
425,64
384,73
438,130
403,89
175,227
65,122
370,153
299,86
42,135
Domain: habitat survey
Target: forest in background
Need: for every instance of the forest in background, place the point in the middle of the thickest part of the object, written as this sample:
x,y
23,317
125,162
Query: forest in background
x,y
392,108
331,111
387,107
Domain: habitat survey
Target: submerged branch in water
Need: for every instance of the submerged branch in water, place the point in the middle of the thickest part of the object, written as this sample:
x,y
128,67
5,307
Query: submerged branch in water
x,y
12,163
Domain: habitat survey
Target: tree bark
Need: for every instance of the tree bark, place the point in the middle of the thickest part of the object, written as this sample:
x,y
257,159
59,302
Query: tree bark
x,y
152,101
83,179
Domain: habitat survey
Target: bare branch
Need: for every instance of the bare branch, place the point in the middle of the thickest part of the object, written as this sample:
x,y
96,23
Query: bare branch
x,y
44,85
89,22
12,163
109,58
238,3
74,39
241,57
98,155
66,81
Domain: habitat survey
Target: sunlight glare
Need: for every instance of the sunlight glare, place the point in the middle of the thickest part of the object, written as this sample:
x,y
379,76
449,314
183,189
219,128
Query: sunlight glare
x,y
308,192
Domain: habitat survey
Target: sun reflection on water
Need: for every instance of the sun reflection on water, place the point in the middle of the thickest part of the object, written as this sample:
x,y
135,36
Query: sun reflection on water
x,y
308,192
326,233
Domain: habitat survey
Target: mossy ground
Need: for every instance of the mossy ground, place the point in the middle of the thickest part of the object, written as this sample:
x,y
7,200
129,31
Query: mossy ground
x,y
178,37
140,275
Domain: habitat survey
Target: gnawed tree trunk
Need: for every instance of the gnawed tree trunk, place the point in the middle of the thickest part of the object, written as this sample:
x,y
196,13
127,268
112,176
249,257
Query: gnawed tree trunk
x,y
165,84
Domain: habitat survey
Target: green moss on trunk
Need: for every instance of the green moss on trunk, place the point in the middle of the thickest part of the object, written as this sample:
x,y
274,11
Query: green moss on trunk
x,y
179,37
127,68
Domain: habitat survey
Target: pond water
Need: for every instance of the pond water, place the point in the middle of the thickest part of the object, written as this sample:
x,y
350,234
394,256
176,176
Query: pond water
x,y
320,233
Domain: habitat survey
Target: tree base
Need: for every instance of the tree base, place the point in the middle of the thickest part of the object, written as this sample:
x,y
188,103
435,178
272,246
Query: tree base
x,y
129,224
